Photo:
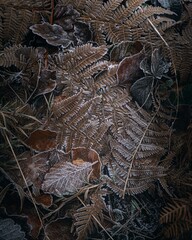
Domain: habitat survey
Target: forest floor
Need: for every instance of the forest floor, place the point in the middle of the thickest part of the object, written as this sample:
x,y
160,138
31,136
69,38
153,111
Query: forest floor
x,y
95,119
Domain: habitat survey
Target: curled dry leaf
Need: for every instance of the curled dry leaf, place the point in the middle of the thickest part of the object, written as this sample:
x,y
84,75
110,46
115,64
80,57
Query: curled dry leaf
x,y
87,155
53,34
45,200
42,140
65,178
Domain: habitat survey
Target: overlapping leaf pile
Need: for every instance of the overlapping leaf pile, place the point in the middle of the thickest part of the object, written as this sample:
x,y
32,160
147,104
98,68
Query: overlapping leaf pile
x,y
92,143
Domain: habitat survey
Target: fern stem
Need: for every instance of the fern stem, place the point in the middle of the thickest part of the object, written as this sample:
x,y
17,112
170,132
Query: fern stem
x,y
52,12
135,152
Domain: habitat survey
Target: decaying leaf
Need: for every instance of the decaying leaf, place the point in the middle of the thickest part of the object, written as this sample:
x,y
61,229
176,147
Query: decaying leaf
x,y
45,200
124,49
42,140
53,34
65,178
129,68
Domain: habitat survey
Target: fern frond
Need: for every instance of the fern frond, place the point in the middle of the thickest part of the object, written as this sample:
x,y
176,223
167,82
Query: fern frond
x,y
78,4
175,211
27,4
89,217
137,151
120,22
19,56
177,218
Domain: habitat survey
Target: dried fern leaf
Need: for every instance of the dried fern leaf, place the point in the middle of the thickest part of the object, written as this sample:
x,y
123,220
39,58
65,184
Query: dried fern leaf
x,y
176,229
27,4
88,217
78,4
19,56
180,47
120,22
15,24
136,152
175,211
75,127
81,57
177,218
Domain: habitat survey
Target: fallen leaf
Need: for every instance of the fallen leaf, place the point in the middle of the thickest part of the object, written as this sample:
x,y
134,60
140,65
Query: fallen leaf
x,y
42,140
53,34
65,178
129,69
45,200
88,155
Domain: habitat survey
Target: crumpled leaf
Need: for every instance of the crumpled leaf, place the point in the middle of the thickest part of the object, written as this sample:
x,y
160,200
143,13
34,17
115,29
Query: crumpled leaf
x,y
141,90
42,140
9,230
65,178
53,34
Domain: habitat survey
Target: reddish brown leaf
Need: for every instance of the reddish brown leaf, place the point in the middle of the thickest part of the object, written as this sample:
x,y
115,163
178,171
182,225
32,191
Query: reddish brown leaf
x,y
129,69
45,200
87,155
42,140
